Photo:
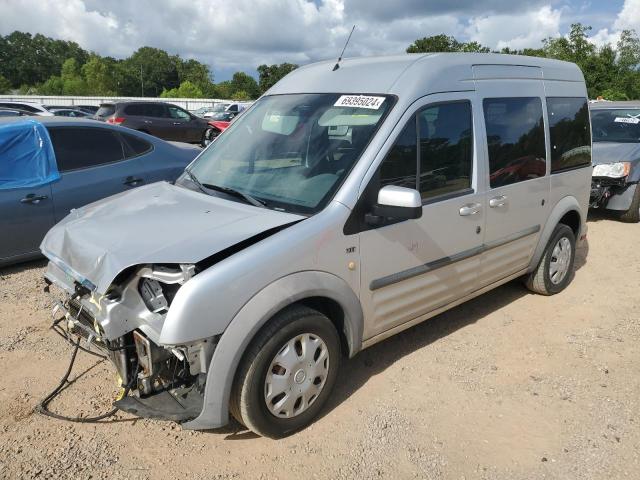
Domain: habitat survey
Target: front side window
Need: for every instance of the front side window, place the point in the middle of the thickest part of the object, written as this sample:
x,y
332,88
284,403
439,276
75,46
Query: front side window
x,y
177,113
616,125
446,149
569,132
292,151
77,148
438,143
515,138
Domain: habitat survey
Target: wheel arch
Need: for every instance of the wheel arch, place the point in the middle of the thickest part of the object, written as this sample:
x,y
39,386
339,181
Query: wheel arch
x,y
322,291
566,211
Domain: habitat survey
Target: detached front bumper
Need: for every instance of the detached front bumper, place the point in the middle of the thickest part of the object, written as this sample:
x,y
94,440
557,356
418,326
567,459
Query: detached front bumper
x,y
611,193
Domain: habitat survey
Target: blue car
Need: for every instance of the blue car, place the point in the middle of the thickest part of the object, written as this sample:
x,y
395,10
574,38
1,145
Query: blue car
x,y
50,165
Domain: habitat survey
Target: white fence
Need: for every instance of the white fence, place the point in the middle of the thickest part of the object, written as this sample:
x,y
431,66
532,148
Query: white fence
x,y
188,103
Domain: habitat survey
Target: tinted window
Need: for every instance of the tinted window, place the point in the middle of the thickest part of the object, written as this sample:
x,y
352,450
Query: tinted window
x,y
446,152
135,146
106,110
178,113
616,125
135,110
570,133
21,106
515,137
84,147
154,110
401,163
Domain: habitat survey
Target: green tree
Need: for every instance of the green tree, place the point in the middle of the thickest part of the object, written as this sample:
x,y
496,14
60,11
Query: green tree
x,y
186,90
5,85
444,43
154,69
241,82
269,75
72,81
98,76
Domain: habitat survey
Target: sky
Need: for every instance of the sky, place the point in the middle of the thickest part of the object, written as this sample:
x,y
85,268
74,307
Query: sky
x,y
237,35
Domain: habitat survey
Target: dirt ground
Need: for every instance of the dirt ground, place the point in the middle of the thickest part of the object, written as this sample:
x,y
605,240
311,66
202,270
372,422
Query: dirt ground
x,y
508,386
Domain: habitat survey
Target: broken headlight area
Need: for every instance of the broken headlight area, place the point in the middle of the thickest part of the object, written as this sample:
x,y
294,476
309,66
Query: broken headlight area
x,y
603,188
124,324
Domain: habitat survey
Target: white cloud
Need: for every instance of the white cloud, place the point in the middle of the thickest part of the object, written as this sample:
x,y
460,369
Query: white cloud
x,y
629,16
245,33
516,31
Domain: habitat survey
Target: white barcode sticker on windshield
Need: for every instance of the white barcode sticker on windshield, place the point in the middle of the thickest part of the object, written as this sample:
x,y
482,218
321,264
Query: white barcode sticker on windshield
x,y
359,101
632,120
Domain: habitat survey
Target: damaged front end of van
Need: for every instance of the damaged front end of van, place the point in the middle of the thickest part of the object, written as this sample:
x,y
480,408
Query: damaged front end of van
x,y
121,282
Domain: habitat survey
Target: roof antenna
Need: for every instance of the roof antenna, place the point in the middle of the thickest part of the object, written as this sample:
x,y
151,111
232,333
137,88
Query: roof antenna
x,y
337,65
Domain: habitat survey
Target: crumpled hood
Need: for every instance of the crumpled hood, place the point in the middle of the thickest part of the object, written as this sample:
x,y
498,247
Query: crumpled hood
x,y
157,223
610,152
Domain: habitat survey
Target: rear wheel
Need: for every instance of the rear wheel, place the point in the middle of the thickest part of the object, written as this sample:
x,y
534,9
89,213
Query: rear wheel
x,y
287,373
555,270
633,214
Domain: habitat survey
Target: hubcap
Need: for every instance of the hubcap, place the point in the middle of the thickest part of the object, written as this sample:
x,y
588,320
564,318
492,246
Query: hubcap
x,y
560,260
296,376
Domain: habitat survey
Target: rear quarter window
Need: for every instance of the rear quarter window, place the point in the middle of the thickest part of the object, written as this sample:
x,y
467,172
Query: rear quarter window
x,y
134,110
569,132
134,146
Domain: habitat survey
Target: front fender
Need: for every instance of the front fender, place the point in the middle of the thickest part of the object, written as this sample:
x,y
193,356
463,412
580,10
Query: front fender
x,y
561,208
253,316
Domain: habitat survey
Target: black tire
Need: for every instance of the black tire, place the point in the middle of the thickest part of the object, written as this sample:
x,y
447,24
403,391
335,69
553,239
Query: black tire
x,y
539,281
248,404
633,214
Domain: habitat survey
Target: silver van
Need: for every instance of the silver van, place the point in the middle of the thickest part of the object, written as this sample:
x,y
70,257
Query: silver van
x,y
344,206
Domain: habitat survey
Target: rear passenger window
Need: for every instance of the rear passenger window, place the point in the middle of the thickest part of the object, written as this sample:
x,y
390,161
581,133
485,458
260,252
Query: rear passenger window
x,y
515,138
446,150
401,163
84,147
134,146
570,133
135,110
154,110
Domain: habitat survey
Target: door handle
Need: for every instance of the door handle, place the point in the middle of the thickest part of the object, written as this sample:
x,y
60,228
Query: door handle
x,y
33,198
148,121
177,123
497,202
133,182
470,209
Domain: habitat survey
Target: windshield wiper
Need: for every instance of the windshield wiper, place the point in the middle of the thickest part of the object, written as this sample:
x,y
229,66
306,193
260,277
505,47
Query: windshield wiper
x,y
193,178
236,193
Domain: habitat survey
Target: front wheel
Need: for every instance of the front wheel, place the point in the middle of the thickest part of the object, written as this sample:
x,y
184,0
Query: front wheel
x,y
555,270
633,214
208,136
287,373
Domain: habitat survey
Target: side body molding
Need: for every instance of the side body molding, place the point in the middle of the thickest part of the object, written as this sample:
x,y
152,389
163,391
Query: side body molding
x,y
565,205
252,316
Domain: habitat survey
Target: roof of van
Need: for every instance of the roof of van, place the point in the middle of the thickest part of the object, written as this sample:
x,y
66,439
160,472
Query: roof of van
x,y
604,104
419,74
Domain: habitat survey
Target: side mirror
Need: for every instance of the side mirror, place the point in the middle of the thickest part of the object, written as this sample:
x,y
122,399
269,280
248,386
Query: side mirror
x,y
397,204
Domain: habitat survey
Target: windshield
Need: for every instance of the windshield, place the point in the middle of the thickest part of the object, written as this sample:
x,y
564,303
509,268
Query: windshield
x,y
293,151
616,125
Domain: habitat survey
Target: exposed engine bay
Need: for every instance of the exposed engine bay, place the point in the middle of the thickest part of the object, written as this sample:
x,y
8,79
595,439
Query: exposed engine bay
x,y
124,324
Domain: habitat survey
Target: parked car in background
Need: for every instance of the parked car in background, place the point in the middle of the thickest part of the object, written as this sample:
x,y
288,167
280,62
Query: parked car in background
x,y
616,158
348,204
163,120
14,112
31,107
221,121
202,111
89,109
92,160
70,112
